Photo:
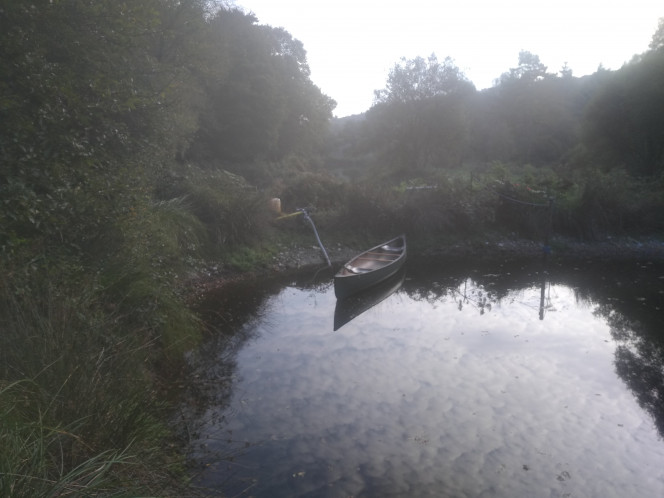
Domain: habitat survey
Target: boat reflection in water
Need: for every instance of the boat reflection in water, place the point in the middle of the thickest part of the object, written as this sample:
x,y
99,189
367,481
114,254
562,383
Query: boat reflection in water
x,y
354,305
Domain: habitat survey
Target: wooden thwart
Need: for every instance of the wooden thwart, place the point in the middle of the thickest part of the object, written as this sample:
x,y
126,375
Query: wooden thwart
x,y
375,259
383,254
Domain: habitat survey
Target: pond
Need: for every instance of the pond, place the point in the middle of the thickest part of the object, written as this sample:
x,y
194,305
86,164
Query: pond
x,y
464,379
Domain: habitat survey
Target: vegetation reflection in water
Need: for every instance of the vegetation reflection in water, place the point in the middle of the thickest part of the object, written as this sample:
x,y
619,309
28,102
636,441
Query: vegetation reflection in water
x,y
451,386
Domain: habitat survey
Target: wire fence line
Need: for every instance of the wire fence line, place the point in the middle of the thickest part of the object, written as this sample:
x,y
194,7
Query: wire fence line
x,y
533,204
546,248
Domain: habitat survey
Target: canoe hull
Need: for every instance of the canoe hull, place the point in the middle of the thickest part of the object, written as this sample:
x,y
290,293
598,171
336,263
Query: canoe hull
x,y
370,267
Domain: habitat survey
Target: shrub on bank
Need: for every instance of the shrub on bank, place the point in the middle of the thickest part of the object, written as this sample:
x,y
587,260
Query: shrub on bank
x,y
526,201
610,203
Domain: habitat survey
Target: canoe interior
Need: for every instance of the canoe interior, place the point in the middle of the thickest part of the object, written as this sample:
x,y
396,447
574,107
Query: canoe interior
x,y
370,267
375,258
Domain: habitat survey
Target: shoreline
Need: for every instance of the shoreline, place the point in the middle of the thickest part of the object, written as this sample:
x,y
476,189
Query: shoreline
x,y
611,248
297,257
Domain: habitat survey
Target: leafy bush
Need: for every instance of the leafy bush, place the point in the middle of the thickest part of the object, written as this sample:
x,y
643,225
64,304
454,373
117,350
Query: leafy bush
x,y
32,458
318,190
611,202
232,211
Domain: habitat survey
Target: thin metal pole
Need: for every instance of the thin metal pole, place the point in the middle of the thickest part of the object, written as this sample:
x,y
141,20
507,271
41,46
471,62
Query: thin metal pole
x,y
308,218
545,255
549,224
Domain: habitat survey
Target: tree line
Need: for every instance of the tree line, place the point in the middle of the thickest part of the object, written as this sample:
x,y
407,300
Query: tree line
x,y
430,117
592,143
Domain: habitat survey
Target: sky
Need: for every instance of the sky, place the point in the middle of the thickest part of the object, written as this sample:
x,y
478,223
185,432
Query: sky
x,y
352,44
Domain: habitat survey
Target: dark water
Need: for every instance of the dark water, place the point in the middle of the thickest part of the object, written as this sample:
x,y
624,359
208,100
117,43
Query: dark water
x,y
470,379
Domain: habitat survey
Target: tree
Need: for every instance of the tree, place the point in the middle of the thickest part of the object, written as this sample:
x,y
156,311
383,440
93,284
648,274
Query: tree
x,y
657,41
418,79
265,105
418,123
566,71
624,124
530,69
308,111
92,109
532,113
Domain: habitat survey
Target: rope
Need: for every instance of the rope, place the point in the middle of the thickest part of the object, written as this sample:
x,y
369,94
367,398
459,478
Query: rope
x,y
296,213
518,201
546,248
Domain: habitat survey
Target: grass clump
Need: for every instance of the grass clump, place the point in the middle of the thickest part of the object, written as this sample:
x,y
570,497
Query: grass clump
x,y
32,461
80,409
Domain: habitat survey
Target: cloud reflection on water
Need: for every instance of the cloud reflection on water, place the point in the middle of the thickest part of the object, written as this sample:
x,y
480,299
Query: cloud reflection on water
x,y
417,396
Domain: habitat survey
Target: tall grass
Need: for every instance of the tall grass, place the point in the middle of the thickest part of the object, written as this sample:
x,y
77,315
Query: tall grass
x,y
32,460
231,211
422,207
601,203
80,410
501,199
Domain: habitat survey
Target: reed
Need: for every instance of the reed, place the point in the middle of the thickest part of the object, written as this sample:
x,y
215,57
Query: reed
x,y
33,461
80,413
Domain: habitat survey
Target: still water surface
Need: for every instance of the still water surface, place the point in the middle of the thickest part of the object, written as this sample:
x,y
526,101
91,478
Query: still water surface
x,y
470,380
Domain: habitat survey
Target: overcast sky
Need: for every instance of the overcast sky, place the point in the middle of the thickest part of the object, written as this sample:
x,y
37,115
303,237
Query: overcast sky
x,y
352,44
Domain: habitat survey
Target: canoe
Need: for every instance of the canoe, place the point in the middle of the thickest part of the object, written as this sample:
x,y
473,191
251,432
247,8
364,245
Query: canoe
x,y
370,267
351,307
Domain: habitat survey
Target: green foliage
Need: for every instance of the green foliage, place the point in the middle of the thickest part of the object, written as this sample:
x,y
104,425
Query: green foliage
x,y
419,79
76,401
369,209
32,450
88,114
612,202
313,190
529,70
265,106
419,122
415,138
412,129
421,207
232,211
657,42
248,258
166,233
141,137
625,122
569,138
99,102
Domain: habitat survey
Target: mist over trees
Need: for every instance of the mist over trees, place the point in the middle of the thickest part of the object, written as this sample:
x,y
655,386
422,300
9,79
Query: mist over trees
x,y
432,117
595,143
